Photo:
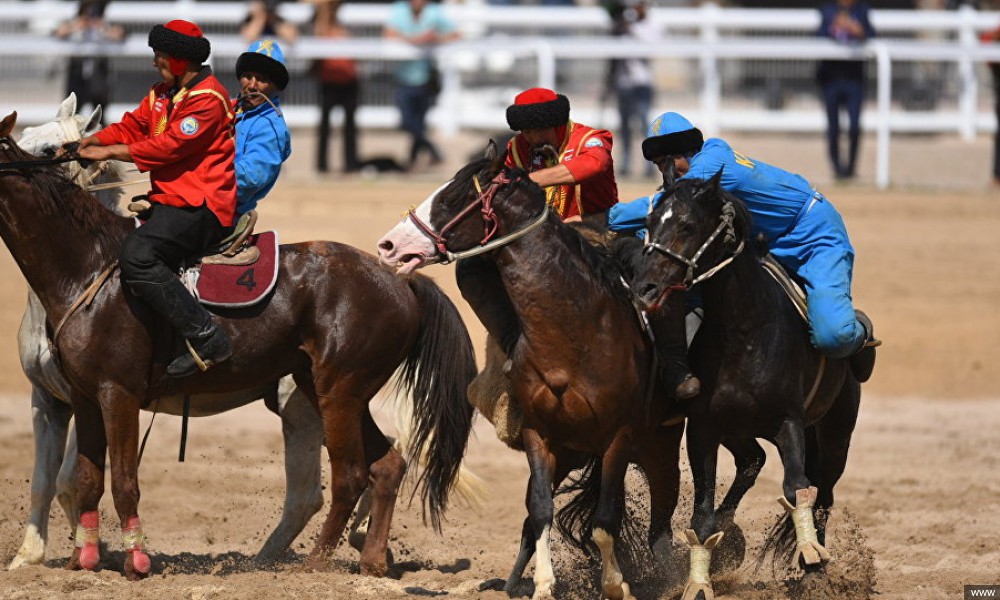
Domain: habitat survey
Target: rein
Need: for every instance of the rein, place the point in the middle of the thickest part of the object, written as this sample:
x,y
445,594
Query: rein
x,y
84,299
725,225
31,164
490,223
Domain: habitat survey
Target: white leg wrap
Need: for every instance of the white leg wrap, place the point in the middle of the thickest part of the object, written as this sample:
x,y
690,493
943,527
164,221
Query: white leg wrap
x,y
699,577
808,547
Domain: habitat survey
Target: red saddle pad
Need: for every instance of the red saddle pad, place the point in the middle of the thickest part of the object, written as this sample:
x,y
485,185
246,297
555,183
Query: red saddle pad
x,y
242,285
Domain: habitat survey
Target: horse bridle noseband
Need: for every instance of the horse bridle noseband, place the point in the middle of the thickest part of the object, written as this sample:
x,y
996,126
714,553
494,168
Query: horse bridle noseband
x,y
726,218
484,200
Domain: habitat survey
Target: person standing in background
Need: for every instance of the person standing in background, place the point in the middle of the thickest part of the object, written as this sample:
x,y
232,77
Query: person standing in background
x,y
843,81
424,24
993,36
338,86
263,21
89,77
631,79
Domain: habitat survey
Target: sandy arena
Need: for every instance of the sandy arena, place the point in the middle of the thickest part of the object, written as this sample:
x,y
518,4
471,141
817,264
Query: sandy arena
x,y
917,509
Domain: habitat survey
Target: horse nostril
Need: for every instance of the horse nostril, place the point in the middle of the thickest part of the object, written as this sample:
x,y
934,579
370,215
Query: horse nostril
x,y
385,245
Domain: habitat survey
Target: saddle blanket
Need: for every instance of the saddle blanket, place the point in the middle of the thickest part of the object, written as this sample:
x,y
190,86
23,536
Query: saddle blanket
x,y
235,286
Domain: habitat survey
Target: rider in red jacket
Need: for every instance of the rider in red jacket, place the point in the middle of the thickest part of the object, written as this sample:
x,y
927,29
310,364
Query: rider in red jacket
x,y
572,163
182,134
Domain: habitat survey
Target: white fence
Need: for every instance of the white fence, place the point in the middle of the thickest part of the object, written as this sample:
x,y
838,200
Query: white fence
x,y
709,35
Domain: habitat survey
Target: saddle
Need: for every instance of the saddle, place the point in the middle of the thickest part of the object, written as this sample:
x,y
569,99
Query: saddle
x,y
791,288
239,271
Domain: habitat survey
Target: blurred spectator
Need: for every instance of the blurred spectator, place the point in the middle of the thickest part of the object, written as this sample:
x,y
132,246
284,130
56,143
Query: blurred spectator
x,y
424,24
338,86
89,77
263,21
843,81
993,37
631,79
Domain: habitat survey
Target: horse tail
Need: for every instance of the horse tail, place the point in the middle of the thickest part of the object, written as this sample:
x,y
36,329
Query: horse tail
x,y
575,520
469,488
437,372
779,544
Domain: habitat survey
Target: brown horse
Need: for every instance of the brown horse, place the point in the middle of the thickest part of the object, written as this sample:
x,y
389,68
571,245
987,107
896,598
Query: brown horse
x,y
336,321
582,370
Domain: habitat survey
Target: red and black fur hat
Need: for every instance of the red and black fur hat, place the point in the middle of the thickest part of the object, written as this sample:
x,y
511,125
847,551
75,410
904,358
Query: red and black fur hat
x,y
538,108
180,39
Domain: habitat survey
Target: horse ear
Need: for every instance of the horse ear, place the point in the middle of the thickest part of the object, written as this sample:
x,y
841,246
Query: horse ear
x,y
94,122
716,181
68,107
491,150
7,124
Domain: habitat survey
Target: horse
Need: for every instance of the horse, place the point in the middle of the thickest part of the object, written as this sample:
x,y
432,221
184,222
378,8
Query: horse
x,y
320,324
761,377
582,371
55,439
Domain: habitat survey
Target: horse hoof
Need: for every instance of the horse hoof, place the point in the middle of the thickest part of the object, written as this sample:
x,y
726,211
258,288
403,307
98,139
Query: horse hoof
x,y
90,557
138,561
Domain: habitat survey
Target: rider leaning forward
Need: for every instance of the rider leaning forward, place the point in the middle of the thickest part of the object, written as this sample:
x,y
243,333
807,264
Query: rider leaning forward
x,y
804,232
181,133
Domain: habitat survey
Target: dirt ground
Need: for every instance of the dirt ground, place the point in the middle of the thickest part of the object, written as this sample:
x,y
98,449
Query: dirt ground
x,y
917,509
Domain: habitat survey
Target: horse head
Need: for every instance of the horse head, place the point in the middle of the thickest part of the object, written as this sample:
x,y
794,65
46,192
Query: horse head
x,y
461,215
690,233
45,139
68,126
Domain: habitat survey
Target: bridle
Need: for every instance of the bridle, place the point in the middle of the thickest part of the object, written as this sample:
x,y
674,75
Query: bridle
x,y
484,202
726,218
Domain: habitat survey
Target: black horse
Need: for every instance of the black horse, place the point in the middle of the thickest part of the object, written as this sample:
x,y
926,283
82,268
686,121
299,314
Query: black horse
x,y
761,378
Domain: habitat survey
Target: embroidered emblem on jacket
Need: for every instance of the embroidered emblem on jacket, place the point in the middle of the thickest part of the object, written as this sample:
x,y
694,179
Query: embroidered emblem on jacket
x,y
189,126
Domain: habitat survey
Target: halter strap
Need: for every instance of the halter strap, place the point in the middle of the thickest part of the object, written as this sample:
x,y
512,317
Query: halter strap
x,y
725,225
491,223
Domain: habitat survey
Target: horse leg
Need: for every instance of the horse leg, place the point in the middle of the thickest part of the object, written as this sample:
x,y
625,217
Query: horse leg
x,y
658,455
92,446
303,437
386,468
50,422
832,437
343,410
541,463
749,457
608,518
799,496
565,463
121,422
703,450
66,479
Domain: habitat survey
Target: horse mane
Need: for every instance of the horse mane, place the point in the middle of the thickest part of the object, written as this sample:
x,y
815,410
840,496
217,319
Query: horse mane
x,y
60,198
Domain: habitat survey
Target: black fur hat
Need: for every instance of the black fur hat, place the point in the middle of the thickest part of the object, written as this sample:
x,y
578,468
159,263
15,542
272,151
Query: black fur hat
x,y
180,39
538,108
264,57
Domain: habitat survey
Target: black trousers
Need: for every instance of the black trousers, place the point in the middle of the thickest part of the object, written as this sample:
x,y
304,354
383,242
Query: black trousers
x,y
153,253
480,283
345,96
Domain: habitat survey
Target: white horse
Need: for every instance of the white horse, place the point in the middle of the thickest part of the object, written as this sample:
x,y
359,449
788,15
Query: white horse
x,y
55,462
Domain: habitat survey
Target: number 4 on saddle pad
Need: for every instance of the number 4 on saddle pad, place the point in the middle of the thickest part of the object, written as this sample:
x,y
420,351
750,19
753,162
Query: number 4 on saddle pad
x,y
236,285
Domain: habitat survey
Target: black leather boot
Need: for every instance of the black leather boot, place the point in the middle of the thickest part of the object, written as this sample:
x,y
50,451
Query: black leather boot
x,y
480,283
206,342
671,348
863,361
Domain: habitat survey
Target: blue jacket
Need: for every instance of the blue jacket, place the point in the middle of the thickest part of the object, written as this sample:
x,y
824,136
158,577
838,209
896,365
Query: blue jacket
x,y
262,144
773,196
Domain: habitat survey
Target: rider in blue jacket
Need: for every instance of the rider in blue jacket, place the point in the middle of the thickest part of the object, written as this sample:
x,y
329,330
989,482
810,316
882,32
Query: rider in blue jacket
x,y
262,139
805,232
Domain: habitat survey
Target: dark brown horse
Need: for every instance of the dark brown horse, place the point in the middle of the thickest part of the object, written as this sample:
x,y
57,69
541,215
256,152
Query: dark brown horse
x,y
336,321
761,377
582,371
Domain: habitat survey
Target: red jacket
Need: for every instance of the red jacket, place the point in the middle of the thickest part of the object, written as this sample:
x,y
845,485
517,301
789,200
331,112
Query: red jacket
x,y
586,152
188,149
